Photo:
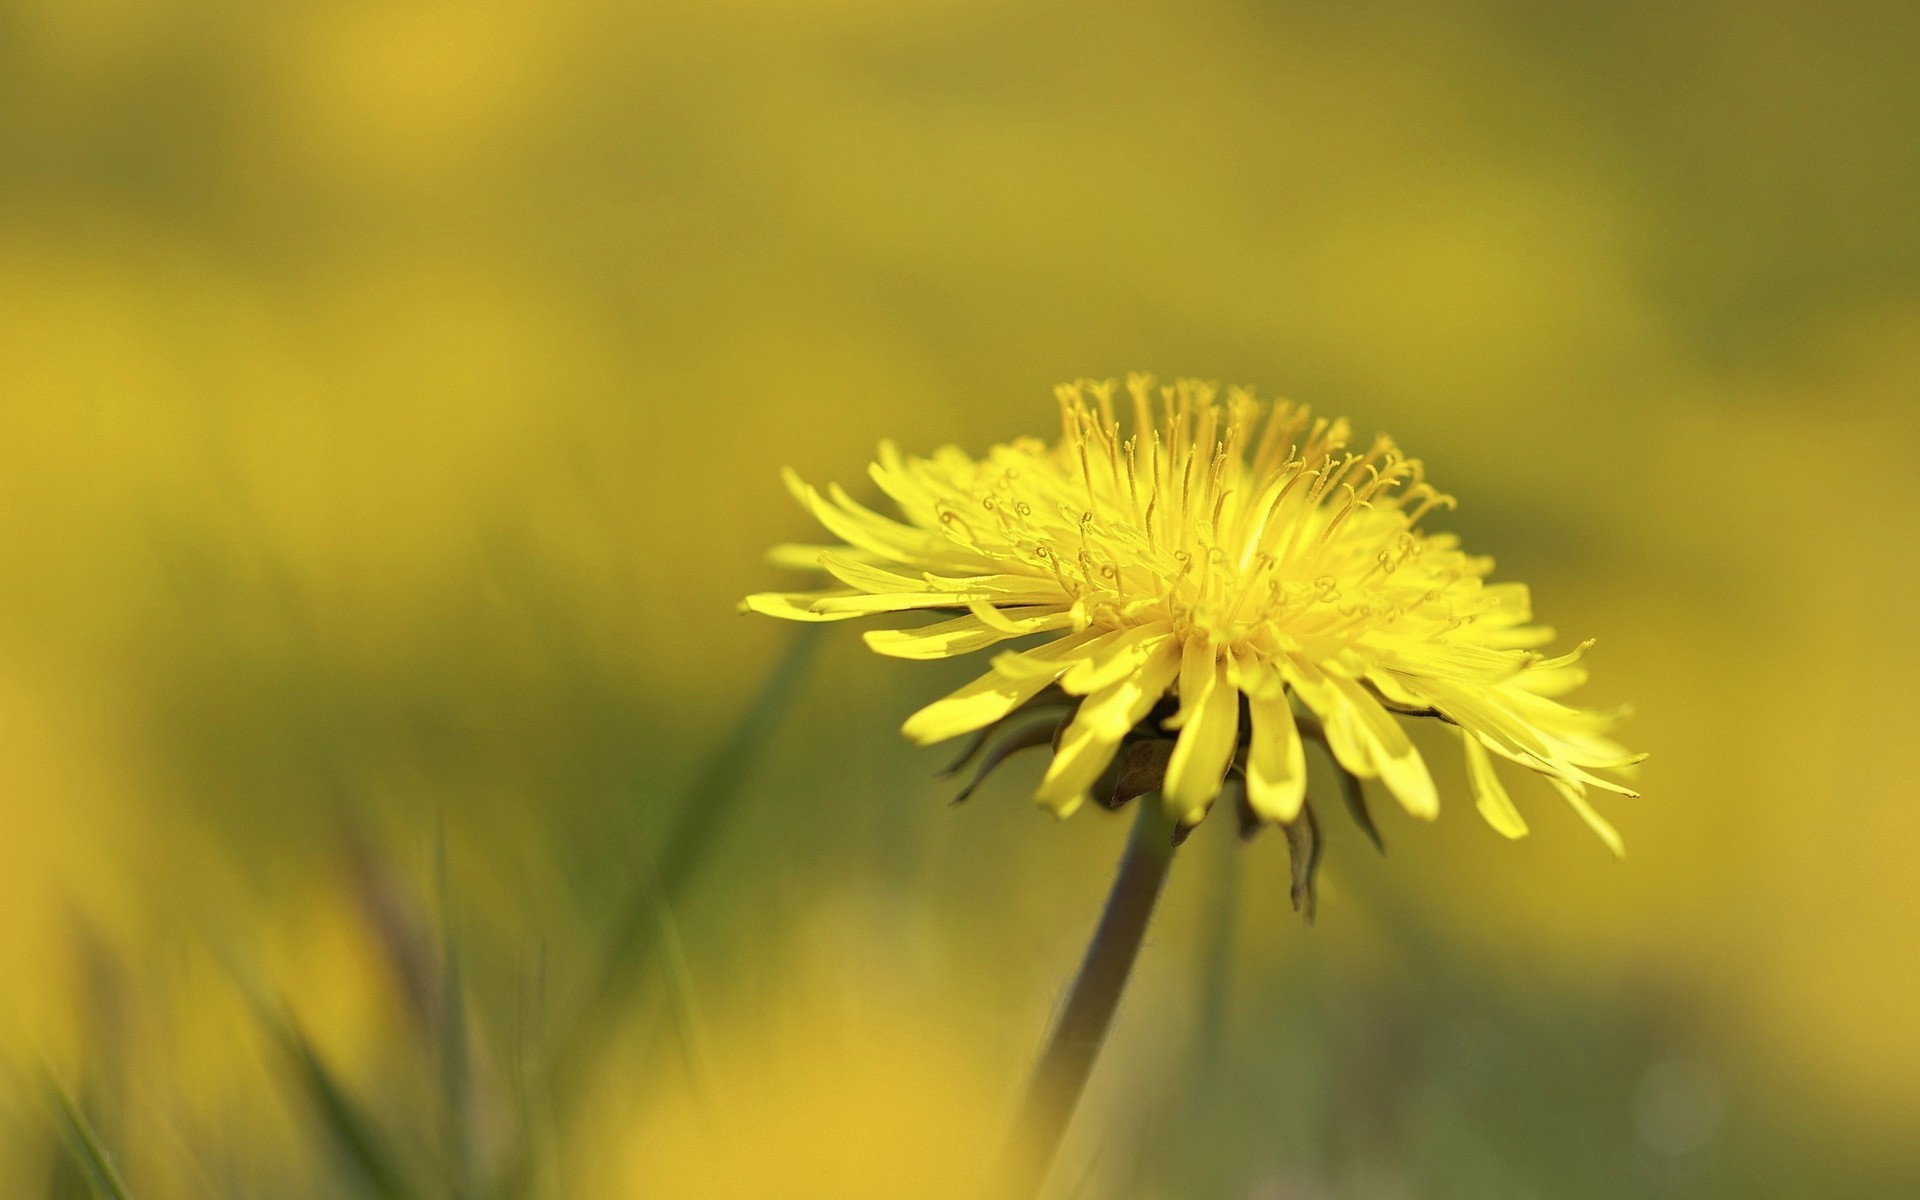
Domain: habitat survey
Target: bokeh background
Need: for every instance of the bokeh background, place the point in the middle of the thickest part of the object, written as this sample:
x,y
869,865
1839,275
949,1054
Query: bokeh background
x,y
392,396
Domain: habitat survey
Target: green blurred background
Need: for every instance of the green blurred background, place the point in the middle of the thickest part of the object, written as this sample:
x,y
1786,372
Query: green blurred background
x,y
392,397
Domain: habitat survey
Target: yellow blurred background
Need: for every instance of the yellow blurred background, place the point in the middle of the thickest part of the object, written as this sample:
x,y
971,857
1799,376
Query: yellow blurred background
x,y
392,396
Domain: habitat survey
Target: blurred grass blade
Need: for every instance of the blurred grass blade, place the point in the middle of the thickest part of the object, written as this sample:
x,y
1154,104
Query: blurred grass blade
x,y
704,811
636,932
1214,1007
83,1146
685,1002
451,1025
394,918
355,1134
1195,1100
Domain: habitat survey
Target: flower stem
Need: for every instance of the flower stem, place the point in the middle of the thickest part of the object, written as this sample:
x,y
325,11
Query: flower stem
x,y
1074,1043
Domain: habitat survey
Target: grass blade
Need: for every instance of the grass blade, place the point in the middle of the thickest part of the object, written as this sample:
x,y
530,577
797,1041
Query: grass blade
x,y
685,1002
705,810
635,935
455,1066
83,1146
355,1134
703,813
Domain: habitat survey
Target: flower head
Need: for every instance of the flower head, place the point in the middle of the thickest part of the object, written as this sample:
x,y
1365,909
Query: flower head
x,y
1212,578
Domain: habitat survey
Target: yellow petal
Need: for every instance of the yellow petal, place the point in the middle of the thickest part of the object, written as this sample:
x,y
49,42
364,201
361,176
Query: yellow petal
x,y
858,605
923,546
943,639
1198,767
996,693
793,557
794,606
1517,637
1492,714
891,473
873,533
1399,689
1056,657
1394,756
1082,755
857,572
1276,762
1559,681
1576,798
1117,660
1120,705
1317,692
1103,720
1198,666
1017,621
979,703
1254,675
1489,795
1446,660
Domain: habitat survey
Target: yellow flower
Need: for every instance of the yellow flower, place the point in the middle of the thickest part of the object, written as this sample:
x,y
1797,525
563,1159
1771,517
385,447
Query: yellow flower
x,y
1216,583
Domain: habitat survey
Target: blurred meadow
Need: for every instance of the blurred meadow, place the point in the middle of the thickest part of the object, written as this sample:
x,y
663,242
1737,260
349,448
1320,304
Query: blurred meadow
x,y
392,399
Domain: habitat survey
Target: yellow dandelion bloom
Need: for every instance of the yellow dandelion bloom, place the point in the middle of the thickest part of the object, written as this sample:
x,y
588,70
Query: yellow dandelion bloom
x,y
1212,578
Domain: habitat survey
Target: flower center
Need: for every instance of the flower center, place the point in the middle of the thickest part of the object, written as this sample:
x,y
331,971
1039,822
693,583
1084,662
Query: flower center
x,y
1240,521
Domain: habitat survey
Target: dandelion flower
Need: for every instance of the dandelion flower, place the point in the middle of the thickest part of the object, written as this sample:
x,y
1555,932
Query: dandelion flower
x,y
1198,589
1211,578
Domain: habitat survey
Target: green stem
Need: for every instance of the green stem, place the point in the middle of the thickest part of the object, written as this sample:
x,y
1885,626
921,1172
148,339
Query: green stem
x,y
1081,1029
